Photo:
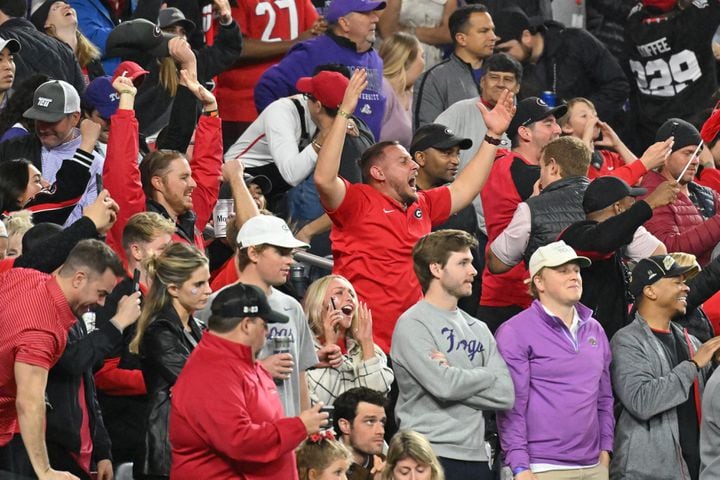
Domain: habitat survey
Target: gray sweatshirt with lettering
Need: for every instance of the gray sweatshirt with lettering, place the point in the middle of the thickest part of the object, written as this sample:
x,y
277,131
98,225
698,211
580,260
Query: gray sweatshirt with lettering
x,y
444,402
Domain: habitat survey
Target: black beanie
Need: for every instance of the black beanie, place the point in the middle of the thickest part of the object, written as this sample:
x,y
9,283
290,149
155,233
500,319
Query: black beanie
x,y
684,132
39,17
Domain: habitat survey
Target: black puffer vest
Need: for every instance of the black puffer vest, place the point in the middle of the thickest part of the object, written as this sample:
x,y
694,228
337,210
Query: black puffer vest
x,y
558,206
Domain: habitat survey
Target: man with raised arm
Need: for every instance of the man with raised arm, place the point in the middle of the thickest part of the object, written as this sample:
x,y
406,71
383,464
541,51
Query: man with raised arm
x,y
377,223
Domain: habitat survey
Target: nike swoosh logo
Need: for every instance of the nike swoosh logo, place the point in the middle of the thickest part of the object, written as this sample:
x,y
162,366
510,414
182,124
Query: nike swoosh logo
x,y
387,211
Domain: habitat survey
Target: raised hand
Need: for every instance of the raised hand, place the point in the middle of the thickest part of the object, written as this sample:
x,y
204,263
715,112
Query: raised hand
x,y
128,310
498,119
358,83
89,133
222,8
363,329
656,153
124,85
203,94
706,351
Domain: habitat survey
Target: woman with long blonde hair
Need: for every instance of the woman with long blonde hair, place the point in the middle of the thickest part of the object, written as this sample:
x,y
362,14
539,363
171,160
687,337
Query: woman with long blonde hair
x,y
166,335
402,65
343,325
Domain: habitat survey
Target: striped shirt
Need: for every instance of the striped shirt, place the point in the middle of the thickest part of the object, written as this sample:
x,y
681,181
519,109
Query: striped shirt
x,y
34,321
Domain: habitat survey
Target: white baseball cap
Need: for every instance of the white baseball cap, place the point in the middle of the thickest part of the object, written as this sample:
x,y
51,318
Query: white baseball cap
x,y
553,255
269,230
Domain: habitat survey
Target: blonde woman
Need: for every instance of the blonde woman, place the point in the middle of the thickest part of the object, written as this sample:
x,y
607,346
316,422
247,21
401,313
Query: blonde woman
x,y
402,65
166,334
426,19
58,19
343,324
410,457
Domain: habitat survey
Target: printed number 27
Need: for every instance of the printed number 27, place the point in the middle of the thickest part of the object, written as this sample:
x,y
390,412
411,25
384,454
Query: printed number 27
x,y
266,8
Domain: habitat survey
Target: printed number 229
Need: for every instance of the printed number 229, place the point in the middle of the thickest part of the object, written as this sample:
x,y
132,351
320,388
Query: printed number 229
x,y
662,78
266,8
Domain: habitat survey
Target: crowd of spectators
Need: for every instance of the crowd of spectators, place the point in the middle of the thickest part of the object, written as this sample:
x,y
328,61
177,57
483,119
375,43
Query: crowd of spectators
x,y
359,239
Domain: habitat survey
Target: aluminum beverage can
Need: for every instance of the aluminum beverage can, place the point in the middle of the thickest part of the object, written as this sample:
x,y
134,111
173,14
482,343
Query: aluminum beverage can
x,y
549,98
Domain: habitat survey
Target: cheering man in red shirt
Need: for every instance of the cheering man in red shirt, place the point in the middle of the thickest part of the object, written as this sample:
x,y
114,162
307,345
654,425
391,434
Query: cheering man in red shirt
x,y
377,223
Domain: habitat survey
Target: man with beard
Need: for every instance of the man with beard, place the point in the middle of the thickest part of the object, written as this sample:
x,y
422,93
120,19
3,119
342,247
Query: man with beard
x,y
377,223
443,356
38,310
569,62
658,374
689,224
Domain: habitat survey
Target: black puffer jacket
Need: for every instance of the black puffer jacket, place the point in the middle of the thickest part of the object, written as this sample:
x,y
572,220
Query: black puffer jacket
x,y
164,349
41,53
575,64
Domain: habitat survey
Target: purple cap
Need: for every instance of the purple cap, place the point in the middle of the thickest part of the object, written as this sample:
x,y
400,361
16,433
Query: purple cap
x,y
101,96
340,8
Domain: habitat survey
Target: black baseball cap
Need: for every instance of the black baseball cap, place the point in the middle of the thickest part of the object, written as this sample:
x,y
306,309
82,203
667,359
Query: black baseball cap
x,y
434,135
138,35
650,270
604,191
242,300
531,110
173,16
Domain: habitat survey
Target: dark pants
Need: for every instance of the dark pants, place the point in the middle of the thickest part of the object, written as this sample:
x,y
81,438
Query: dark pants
x,y
463,470
14,461
496,316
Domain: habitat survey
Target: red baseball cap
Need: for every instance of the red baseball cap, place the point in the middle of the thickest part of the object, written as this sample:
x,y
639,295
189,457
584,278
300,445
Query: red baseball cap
x,y
131,70
327,87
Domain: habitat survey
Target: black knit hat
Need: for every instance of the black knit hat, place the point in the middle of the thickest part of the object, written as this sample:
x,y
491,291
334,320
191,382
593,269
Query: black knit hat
x,y
684,132
39,17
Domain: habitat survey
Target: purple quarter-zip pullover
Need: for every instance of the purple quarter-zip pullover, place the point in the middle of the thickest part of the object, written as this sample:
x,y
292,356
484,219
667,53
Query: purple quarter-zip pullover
x,y
563,412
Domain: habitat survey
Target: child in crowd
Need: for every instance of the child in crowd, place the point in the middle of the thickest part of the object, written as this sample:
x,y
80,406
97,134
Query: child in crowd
x,y
321,457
